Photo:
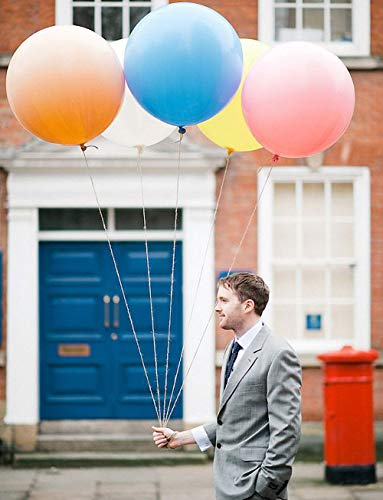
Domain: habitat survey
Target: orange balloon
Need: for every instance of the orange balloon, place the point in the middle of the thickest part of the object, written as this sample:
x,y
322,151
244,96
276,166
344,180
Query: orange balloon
x,y
65,84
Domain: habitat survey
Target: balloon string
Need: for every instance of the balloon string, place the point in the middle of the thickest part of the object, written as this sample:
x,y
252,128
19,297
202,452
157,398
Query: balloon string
x,y
229,153
83,149
173,267
257,201
140,150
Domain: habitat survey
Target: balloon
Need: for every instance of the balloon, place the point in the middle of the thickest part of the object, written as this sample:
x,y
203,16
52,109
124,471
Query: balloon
x,y
298,99
133,126
228,128
65,84
183,63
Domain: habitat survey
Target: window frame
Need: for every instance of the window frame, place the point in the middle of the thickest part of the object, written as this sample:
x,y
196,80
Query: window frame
x,y
64,10
360,176
80,234
361,28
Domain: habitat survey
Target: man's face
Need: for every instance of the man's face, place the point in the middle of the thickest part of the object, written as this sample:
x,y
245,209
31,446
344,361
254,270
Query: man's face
x,y
231,312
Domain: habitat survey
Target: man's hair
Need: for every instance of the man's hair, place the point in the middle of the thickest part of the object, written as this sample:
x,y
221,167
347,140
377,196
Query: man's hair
x,y
248,286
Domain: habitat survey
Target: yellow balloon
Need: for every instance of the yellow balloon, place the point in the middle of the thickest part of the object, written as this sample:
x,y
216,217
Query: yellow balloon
x,y
228,128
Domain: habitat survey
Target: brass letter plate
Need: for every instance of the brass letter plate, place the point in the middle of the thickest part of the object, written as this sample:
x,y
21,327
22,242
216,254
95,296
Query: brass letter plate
x,y
74,350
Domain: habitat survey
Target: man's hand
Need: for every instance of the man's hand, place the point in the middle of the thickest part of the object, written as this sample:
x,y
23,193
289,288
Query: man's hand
x,y
164,437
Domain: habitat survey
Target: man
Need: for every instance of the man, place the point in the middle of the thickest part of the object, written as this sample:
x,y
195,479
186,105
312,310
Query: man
x,y
257,431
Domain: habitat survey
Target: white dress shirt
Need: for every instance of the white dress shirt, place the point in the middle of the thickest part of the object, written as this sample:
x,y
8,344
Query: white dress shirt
x,y
199,433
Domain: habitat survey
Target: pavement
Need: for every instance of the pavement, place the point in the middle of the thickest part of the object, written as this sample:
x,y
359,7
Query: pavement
x,y
191,482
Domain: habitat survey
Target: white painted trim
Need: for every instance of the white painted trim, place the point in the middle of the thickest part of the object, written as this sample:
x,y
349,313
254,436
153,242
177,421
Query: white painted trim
x,y
113,235
69,186
116,187
159,3
199,405
360,22
319,346
265,234
22,392
361,178
362,234
63,12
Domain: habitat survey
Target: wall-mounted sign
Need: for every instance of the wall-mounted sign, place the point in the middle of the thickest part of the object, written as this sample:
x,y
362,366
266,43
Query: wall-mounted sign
x,y
74,350
313,321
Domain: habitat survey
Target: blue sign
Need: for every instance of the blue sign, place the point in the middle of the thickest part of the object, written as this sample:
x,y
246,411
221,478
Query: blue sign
x,y
313,321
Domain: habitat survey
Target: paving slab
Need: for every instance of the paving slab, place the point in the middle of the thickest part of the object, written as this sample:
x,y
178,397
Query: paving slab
x,y
368,495
322,492
184,482
7,495
62,495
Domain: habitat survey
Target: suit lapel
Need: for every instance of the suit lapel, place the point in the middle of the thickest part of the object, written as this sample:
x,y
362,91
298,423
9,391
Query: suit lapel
x,y
244,364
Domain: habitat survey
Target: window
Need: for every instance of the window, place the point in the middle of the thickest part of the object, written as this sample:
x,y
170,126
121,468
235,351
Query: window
x,y
71,219
120,219
112,19
156,218
318,258
342,26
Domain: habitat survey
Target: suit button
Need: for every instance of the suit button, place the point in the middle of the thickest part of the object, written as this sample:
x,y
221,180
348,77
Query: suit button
x,y
219,421
219,445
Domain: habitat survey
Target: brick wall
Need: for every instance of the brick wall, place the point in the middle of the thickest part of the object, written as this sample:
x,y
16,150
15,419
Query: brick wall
x,y
361,146
376,27
242,14
21,18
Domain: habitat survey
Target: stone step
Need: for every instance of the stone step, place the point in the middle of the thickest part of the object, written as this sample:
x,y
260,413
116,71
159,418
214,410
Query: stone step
x,y
101,459
96,442
102,426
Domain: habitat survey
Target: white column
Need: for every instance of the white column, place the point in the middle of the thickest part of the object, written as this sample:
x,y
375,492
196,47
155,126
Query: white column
x,y
22,388
199,390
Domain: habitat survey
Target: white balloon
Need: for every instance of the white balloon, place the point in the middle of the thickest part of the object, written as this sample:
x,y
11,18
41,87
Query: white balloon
x,y
133,126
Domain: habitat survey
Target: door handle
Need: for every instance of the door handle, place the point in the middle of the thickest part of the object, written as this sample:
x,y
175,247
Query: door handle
x,y
106,311
116,317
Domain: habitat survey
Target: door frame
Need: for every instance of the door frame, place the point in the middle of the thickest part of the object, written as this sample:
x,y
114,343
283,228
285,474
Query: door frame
x,y
47,176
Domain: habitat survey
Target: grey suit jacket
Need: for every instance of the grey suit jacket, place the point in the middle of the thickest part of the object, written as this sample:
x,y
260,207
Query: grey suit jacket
x,y
256,434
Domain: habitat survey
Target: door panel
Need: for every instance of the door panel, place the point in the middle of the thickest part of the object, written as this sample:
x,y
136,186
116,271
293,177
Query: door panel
x,y
90,366
132,394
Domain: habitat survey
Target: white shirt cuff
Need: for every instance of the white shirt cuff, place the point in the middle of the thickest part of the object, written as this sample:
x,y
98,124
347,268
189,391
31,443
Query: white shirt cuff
x,y
201,438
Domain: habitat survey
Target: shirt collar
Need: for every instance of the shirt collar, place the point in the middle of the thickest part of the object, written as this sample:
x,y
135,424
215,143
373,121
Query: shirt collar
x,y
246,339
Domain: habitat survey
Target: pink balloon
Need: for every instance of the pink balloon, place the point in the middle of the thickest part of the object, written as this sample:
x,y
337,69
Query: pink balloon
x,y
298,99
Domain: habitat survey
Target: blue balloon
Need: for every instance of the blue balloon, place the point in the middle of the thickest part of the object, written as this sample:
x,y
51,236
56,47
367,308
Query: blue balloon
x,y
183,63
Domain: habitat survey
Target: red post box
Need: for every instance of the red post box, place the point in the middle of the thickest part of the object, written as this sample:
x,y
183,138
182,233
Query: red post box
x,y
349,447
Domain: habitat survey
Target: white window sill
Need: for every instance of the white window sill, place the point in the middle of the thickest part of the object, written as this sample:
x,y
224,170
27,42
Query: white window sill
x,y
307,360
365,63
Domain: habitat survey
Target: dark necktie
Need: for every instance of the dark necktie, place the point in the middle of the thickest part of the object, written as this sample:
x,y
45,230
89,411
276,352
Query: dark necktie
x,y
230,362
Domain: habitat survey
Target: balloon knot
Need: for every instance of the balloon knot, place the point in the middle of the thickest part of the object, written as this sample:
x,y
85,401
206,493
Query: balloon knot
x,y
230,151
84,148
181,130
275,158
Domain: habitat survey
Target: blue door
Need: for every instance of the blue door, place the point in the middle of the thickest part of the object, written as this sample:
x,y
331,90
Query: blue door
x,y
89,361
